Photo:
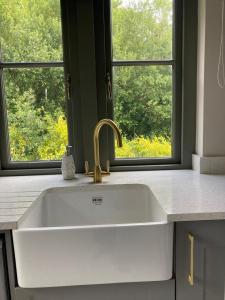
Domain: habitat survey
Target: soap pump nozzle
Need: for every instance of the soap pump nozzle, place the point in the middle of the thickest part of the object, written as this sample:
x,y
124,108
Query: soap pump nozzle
x,y
68,150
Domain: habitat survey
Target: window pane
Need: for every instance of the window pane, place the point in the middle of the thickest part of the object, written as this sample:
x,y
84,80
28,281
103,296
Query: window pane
x,y
30,30
36,113
143,110
142,29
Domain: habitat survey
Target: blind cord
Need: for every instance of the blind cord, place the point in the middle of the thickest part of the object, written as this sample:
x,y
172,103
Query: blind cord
x,y
221,69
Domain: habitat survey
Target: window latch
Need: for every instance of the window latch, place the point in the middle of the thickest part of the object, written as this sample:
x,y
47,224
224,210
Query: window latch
x,y
109,86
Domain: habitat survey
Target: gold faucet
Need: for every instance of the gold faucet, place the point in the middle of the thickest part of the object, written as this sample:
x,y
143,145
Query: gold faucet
x,y
98,173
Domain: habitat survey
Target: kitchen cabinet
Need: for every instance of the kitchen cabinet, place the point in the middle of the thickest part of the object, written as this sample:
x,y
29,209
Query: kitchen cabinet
x,y
200,260
3,276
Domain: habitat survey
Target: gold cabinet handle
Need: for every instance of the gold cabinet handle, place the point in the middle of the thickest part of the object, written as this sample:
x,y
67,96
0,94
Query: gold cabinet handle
x,y
191,271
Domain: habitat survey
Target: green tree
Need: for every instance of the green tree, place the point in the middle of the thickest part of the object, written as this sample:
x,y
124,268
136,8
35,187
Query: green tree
x,y
143,95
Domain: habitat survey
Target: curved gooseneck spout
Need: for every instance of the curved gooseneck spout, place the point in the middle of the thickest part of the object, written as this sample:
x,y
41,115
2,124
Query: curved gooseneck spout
x,y
97,167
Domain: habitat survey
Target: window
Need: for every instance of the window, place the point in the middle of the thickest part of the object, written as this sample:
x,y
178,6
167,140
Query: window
x,y
133,61
144,66
32,74
151,68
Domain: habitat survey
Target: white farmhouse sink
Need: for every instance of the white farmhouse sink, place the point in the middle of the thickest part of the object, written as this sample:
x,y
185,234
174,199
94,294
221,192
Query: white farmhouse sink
x,y
93,235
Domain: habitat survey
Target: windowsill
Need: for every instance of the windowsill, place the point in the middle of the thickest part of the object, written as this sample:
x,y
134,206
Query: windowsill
x,y
149,167
22,172
49,171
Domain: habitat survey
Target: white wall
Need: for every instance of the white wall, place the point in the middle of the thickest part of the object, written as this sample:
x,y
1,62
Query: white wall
x,y
210,98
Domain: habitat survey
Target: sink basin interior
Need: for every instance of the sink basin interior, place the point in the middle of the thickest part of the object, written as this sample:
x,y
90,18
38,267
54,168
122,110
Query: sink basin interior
x,y
94,205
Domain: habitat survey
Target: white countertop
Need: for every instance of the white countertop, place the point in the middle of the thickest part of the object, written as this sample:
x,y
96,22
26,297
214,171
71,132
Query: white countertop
x,y
185,195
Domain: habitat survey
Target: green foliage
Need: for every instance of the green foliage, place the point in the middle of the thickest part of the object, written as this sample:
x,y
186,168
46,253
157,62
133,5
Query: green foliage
x,y
144,147
143,95
27,146
30,30
142,29
53,145
143,101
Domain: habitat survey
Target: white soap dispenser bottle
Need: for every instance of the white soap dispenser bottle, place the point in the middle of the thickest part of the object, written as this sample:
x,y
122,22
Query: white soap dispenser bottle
x,y
68,165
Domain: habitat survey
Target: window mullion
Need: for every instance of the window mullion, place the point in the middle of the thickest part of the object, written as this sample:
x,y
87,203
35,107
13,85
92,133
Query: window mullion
x,y
83,75
4,134
134,63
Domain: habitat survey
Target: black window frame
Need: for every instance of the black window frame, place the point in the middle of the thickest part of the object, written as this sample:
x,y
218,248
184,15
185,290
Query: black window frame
x,y
86,32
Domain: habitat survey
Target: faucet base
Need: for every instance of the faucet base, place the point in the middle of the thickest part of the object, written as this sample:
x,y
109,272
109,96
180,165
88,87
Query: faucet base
x,y
92,173
97,174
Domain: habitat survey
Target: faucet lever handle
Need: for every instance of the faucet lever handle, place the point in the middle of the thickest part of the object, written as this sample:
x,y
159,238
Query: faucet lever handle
x,y
86,167
107,166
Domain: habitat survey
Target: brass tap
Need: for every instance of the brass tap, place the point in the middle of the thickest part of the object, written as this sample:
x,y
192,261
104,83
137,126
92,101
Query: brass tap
x,y
98,173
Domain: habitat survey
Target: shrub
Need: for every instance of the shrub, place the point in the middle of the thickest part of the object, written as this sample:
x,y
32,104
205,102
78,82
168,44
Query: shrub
x,y
144,147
